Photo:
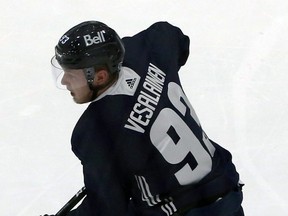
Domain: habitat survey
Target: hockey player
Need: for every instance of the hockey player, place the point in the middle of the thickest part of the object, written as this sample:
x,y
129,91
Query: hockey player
x,y
141,145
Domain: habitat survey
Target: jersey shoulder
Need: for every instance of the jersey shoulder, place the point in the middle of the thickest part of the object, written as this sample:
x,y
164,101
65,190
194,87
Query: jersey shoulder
x,y
162,44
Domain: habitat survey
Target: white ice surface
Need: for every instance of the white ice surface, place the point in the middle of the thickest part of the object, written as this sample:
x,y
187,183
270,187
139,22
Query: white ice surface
x,y
236,78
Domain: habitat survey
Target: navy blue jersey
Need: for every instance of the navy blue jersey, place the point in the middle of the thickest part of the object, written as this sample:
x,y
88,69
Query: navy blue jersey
x,y
141,143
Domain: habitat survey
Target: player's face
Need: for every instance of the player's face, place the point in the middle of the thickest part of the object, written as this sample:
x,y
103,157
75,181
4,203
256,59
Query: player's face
x,y
76,83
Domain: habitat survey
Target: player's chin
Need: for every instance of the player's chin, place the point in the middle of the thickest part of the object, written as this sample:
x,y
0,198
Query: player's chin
x,y
80,100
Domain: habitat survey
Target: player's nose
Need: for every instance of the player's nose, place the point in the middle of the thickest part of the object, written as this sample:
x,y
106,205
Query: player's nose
x,y
64,80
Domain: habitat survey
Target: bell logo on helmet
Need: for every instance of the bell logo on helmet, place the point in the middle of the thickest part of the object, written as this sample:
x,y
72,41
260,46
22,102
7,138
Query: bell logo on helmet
x,y
99,38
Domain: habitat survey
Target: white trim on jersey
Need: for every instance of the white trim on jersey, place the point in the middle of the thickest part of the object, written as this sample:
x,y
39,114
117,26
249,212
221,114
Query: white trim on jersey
x,y
126,84
145,191
169,208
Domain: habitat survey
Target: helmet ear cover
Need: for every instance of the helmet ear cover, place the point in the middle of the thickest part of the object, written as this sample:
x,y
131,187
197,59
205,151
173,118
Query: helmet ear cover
x,y
89,75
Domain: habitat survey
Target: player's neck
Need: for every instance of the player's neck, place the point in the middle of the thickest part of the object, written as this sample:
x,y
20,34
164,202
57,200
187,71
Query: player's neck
x,y
107,86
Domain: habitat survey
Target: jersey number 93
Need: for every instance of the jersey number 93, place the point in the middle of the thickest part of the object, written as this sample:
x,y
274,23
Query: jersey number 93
x,y
174,150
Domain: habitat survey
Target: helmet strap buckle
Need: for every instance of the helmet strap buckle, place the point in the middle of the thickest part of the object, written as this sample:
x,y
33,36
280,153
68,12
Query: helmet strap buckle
x,y
89,74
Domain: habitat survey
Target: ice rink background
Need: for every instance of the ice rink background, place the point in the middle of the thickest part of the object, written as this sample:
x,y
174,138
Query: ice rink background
x,y
236,78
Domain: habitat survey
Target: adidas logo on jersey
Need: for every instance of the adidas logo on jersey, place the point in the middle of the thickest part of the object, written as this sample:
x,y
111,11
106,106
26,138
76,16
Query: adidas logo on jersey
x,y
99,38
130,82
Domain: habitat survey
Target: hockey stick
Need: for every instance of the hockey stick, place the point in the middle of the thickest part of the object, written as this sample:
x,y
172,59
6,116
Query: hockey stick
x,y
72,202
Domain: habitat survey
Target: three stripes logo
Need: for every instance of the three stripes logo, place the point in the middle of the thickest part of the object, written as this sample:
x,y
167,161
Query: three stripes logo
x,y
131,82
167,205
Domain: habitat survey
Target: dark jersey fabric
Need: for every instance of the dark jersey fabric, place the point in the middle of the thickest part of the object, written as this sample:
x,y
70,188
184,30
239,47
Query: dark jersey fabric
x,y
148,149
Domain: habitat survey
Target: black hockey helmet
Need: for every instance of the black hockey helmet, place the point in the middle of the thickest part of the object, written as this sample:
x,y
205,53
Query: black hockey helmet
x,y
90,44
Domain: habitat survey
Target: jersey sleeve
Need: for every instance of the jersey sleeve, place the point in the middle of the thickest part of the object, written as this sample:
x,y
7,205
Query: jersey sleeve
x,y
161,44
106,194
168,44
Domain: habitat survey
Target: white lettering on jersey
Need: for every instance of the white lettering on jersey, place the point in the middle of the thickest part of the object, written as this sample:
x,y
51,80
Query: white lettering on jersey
x,y
99,38
147,100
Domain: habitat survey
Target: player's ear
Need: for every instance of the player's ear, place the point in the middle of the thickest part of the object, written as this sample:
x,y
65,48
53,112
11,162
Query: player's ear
x,y
101,77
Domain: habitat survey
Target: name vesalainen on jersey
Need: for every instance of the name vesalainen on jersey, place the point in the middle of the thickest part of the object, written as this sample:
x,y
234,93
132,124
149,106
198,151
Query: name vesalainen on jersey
x,y
147,100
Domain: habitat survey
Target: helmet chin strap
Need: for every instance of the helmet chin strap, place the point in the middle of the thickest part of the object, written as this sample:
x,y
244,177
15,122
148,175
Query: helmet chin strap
x,y
89,74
